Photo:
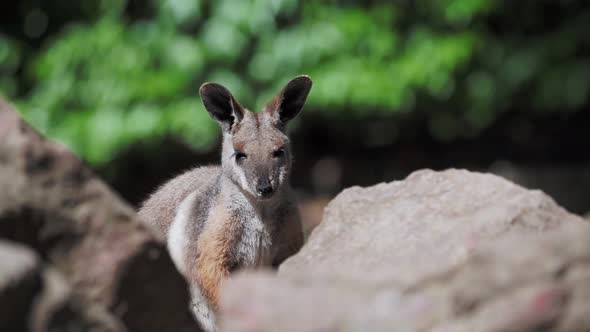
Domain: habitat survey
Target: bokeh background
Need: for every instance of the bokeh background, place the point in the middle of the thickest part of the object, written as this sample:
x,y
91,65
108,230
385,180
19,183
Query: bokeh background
x,y
490,85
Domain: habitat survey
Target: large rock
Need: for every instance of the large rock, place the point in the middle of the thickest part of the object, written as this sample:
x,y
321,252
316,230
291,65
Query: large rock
x,y
37,298
51,202
429,222
439,251
57,308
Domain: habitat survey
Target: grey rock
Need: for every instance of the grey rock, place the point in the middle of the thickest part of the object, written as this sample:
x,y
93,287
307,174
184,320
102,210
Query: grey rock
x,y
431,221
58,309
439,251
53,203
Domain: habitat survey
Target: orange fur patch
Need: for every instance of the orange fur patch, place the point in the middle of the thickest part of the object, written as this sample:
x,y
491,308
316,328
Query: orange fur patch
x,y
215,253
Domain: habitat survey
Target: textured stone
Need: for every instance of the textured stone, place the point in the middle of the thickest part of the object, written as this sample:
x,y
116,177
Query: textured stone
x,y
439,251
53,203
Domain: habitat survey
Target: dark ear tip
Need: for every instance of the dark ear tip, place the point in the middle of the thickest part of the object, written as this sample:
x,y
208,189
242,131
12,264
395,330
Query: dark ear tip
x,y
209,88
205,87
303,80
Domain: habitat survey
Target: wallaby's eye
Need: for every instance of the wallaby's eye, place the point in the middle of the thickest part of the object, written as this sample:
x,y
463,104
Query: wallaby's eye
x,y
279,153
240,156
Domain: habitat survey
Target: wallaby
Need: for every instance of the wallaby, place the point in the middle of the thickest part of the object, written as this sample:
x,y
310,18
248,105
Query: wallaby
x,y
242,214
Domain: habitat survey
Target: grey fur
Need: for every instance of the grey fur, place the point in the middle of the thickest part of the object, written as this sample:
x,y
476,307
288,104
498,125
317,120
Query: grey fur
x,y
269,225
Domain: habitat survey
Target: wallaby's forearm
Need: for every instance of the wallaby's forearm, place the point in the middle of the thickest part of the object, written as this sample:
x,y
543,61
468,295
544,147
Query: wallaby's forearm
x,y
215,251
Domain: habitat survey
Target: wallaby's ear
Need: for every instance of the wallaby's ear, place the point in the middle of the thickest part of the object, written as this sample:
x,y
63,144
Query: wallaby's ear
x,y
221,105
290,100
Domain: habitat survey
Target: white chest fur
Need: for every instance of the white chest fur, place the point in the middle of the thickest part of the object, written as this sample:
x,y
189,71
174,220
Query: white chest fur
x,y
255,242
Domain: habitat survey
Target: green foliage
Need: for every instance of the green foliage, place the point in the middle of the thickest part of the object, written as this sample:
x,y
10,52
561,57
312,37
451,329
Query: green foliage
x,y
102,85
9,64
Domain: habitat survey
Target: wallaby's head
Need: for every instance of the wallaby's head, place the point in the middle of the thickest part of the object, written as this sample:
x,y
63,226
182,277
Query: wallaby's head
x,y
255,153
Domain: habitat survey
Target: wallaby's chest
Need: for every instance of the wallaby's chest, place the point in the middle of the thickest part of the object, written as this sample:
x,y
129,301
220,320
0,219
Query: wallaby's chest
x,y
253,247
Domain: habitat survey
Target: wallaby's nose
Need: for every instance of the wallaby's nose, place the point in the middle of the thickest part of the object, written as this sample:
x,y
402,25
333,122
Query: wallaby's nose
x,y
264,188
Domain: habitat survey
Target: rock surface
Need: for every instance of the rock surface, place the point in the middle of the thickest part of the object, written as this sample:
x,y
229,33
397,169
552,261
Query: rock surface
x,y
54,204
439,251
39,299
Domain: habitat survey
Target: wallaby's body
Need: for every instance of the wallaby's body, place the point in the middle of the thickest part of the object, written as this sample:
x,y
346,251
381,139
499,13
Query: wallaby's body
x,y
240,214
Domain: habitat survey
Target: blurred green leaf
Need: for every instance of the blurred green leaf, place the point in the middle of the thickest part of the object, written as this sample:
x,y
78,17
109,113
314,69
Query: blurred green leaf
x,y
132,72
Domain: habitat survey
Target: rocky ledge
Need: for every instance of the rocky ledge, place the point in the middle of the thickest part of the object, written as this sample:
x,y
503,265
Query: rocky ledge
x,y
73,257
439,251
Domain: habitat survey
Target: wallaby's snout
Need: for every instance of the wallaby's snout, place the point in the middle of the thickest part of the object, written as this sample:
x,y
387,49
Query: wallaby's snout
x,y
255,153
264,188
